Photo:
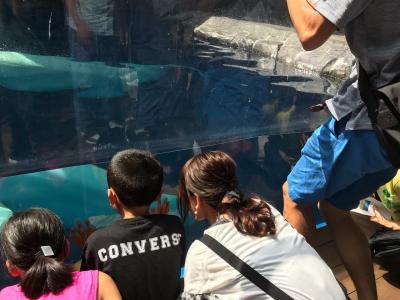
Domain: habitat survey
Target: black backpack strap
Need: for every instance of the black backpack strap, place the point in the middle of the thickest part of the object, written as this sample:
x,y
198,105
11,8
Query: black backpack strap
x,y
369,96
263,283
389,138
366,93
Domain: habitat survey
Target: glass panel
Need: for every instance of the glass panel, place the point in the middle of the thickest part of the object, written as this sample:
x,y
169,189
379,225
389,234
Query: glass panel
x,y
134,74
83,79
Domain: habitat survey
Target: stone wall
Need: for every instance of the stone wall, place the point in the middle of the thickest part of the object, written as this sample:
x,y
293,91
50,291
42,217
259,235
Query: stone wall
x,y
280,44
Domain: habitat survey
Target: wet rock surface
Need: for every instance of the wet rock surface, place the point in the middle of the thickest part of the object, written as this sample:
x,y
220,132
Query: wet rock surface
x,y
280,45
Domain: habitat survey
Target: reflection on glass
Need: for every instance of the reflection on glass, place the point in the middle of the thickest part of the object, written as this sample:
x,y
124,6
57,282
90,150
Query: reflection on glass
x,y
82,79
107,75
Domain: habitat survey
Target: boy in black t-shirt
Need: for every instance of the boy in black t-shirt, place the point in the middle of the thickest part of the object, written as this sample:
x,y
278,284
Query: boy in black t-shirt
x,y
143,253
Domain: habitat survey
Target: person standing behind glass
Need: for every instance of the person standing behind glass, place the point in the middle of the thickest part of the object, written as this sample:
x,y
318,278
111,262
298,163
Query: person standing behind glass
x,y
92,30
93,38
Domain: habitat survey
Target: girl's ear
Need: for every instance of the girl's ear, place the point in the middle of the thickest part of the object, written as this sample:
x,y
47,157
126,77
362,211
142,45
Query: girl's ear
x,y
13,270
198,203
199,208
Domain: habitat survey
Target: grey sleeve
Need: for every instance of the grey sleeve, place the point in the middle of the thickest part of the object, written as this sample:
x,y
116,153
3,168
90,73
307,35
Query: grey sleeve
x,y
340,12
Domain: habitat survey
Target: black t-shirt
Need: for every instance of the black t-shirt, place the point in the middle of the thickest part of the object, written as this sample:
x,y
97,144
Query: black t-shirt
x,y
143,255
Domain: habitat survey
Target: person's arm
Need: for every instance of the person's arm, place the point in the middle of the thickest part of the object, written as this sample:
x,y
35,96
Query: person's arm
x,y
82,29
122,21
14,7
107,289
379,219
73,11
312,28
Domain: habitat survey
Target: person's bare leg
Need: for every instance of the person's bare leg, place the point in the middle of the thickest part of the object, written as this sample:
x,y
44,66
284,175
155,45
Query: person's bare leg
x,y
299,216
353,248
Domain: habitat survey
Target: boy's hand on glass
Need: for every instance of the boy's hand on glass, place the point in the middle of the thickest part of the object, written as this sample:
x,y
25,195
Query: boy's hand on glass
x,y
162,207
80,233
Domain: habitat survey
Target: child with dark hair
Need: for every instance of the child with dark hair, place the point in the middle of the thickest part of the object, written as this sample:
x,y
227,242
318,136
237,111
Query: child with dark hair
x,y
34,247
251,229
143,253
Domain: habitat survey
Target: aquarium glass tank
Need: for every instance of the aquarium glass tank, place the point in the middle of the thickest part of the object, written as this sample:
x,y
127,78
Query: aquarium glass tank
x,y
83,79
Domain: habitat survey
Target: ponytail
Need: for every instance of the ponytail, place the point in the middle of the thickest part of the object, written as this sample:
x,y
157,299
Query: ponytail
x,y
212,176
34,242
46,275
251,215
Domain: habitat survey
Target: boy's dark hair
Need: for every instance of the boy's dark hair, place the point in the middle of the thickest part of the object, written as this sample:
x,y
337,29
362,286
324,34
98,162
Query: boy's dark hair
x,y
136,176
22,237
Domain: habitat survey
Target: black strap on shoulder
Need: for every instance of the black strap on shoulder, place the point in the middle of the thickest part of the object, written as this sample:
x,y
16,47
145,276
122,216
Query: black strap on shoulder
x,y
371,98
263,283
367,94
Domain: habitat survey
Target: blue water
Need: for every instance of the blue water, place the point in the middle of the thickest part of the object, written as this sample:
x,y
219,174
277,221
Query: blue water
x,y
70,194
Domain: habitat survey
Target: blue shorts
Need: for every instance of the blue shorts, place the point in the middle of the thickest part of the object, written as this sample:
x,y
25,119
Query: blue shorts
x,y
338,165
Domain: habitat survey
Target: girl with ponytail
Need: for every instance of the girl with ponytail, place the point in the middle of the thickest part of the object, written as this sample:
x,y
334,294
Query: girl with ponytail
x,y
34,247
250,228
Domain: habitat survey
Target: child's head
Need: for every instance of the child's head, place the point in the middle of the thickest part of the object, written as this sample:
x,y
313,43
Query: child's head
x,y
136,177
34,247
209,183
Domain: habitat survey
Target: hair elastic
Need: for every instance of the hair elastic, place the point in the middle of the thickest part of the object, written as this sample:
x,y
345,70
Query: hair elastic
x,y
47,250
234,195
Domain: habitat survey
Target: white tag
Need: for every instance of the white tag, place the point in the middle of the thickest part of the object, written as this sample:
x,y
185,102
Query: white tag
x,y
47,251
